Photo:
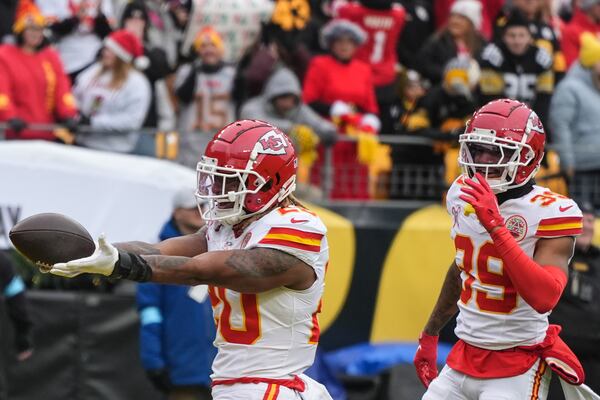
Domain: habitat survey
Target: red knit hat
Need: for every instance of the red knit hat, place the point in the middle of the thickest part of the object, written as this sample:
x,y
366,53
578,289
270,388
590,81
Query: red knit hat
x,y
127,47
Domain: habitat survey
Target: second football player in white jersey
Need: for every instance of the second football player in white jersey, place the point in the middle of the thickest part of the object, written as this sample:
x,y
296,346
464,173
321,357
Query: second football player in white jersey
x,y
513,243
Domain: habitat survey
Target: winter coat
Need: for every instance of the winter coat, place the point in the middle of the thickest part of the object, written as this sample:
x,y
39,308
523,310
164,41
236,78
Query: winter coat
x,y
328,80
574,118
435,54
419,26
122,110
528,77
571,35
34,88
284,81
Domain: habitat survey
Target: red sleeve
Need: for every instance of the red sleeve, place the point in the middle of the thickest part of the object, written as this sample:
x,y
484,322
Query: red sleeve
x,y
569,45
370,104
490,10
314,81
441,11
64,99
7,110
549,280
349,11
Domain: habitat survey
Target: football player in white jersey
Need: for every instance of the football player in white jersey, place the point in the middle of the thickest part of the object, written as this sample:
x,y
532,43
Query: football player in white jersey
x,y
513,243
263,256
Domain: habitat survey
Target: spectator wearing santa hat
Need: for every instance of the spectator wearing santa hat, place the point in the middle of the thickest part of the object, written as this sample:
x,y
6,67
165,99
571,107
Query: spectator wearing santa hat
x,y
34,88
460,37
489,11
114,96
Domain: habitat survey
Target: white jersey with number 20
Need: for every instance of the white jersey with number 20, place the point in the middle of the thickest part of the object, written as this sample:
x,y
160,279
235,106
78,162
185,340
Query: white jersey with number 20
x,y
272,334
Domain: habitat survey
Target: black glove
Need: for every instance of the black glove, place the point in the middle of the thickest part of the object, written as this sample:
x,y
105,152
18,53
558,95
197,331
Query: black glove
x,y
84,120
17,124
160,379
72,124
23,341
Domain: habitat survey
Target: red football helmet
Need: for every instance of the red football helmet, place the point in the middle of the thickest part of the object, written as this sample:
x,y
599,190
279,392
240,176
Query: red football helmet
x,y
247,167
504,141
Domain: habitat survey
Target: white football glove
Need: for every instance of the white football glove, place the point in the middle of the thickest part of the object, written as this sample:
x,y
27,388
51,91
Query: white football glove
x,y
101,262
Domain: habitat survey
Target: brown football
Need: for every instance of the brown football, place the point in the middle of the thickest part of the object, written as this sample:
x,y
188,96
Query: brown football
x,y
50,238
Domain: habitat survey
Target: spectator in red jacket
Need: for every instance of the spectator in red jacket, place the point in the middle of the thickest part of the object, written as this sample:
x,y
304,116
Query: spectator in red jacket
x,y
383,23
585,19
34,88
338,85
340,76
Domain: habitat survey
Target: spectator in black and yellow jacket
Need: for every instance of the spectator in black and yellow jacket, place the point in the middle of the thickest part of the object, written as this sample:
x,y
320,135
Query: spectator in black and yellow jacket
x,y
439,115
517,68
544,34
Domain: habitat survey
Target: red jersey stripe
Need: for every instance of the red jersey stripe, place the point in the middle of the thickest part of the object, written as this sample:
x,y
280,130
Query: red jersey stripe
x,y
560,220
296,232
287,243
560,232
537,380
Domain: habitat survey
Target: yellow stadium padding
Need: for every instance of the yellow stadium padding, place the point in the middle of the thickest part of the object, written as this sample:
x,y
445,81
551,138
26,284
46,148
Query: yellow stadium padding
x,y
342,249
596,239
412,276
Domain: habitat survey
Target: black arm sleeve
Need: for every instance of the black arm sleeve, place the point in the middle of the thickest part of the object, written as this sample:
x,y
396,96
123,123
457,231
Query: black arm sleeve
x,y
64,27
101,26
321,108
133,267
185,92
430,62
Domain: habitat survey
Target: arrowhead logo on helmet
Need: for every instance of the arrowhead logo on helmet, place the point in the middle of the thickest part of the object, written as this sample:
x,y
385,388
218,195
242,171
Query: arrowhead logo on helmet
x,y
271,143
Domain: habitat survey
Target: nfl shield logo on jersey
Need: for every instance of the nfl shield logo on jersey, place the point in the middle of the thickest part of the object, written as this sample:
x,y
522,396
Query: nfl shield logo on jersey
x,y
517,226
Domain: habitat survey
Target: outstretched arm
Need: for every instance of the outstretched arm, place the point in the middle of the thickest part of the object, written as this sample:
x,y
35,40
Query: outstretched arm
x,y
188,246
248,271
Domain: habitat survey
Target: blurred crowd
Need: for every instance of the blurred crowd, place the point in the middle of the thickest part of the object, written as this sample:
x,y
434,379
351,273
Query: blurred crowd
x,y
373,93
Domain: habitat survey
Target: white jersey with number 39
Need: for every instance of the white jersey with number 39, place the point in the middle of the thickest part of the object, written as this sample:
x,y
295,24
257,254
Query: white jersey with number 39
x,y
272,334
492,314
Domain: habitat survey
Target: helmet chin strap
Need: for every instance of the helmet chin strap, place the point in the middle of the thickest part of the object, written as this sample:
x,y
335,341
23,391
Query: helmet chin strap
x,y
282,195
236,219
